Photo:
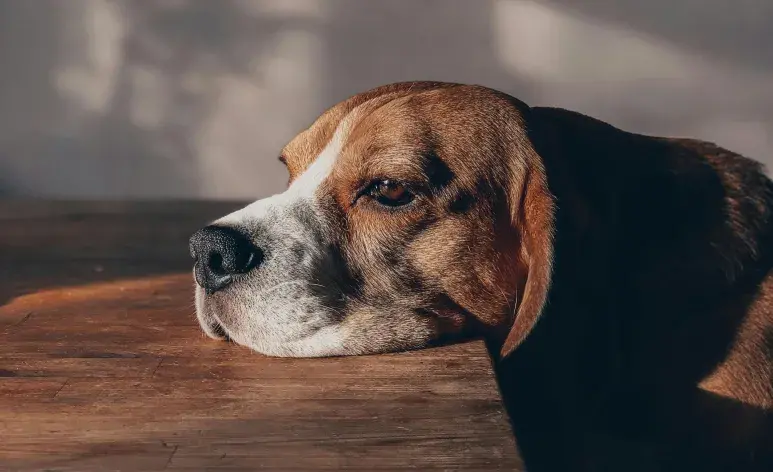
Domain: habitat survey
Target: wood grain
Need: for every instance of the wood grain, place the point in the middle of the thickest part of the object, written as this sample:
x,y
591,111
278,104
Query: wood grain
x,y
103,367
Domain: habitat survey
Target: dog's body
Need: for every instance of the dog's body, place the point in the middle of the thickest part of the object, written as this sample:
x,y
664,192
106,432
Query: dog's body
x,y
659,326
623,281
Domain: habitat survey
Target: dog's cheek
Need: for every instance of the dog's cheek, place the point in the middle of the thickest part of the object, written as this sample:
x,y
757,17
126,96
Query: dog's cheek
x,y
376,250
473,262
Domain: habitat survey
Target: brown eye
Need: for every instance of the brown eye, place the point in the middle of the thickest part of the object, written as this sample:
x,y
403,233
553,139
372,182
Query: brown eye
x,y
390,193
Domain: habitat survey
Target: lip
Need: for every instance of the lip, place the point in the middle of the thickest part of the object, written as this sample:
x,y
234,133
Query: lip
x,y
219,331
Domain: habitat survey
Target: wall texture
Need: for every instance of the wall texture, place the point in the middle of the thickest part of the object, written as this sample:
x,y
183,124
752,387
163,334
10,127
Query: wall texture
x,y
187,98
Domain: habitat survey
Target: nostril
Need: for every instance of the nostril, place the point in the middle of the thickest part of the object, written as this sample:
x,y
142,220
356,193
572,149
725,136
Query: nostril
x,y
253,260
215,264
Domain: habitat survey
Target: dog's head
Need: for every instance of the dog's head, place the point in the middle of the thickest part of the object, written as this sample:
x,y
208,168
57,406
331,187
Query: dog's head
x,y
415,212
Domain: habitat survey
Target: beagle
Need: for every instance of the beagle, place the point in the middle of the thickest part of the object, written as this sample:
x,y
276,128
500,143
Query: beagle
x,y
622,281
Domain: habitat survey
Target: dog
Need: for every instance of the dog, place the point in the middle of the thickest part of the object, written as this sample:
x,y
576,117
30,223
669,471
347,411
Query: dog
x,y
622,282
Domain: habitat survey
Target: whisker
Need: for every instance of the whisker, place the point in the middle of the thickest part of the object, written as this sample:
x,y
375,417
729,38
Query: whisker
x,y
279,285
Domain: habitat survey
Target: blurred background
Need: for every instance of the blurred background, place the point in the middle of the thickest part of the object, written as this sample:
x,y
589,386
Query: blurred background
x,y
110,99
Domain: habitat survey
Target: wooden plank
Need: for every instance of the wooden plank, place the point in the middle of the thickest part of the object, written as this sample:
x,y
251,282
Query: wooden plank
x,y
419,453
256,425
103,367
137,456
80,367
24,388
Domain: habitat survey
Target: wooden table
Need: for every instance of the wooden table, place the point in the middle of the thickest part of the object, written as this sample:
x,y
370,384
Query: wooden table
x,y
103,366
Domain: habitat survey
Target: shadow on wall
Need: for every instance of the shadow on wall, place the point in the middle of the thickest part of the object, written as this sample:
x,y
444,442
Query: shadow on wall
x,y
122,98
737,32
650,67
192,98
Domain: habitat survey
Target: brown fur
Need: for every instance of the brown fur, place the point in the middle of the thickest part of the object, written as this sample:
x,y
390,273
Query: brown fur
x,y
622,280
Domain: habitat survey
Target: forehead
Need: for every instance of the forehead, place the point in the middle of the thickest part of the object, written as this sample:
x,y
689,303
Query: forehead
x,y
404,120
309,144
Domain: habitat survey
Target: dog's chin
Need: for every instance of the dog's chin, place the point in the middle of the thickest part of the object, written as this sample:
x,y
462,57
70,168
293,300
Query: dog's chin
x,y
323,343
273,340
309,330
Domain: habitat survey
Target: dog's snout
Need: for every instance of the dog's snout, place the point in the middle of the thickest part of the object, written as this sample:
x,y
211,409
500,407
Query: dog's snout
x,y
220,254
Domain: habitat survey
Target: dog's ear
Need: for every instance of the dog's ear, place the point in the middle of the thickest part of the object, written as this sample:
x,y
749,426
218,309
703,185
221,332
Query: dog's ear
x,y
533,215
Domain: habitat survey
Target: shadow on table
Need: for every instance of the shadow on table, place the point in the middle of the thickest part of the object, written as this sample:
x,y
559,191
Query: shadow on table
x,y
46,244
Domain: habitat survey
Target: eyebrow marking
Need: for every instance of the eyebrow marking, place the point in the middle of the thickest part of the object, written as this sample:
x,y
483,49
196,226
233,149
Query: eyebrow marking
x,y
305,186
302,188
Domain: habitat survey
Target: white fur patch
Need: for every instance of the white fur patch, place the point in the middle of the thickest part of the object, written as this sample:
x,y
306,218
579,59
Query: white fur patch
x,y
304,187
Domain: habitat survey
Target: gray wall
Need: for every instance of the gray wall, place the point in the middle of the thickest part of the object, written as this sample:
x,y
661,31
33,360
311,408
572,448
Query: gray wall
x,y
184,98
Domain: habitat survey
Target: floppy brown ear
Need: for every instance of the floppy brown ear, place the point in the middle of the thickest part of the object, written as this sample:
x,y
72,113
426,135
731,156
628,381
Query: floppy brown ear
x,y
533,214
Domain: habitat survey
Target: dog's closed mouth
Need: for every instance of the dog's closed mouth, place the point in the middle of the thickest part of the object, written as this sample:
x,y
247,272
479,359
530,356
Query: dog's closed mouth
x,y
219,331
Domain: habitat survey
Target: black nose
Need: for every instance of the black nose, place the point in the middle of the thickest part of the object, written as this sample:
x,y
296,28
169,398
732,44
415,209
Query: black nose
x,y
221,253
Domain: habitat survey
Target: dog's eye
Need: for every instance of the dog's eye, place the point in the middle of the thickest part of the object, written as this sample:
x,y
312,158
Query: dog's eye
x,y
390,193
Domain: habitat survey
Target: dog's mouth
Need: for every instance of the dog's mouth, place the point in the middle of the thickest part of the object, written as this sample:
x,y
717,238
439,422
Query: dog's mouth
x,y
218,331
